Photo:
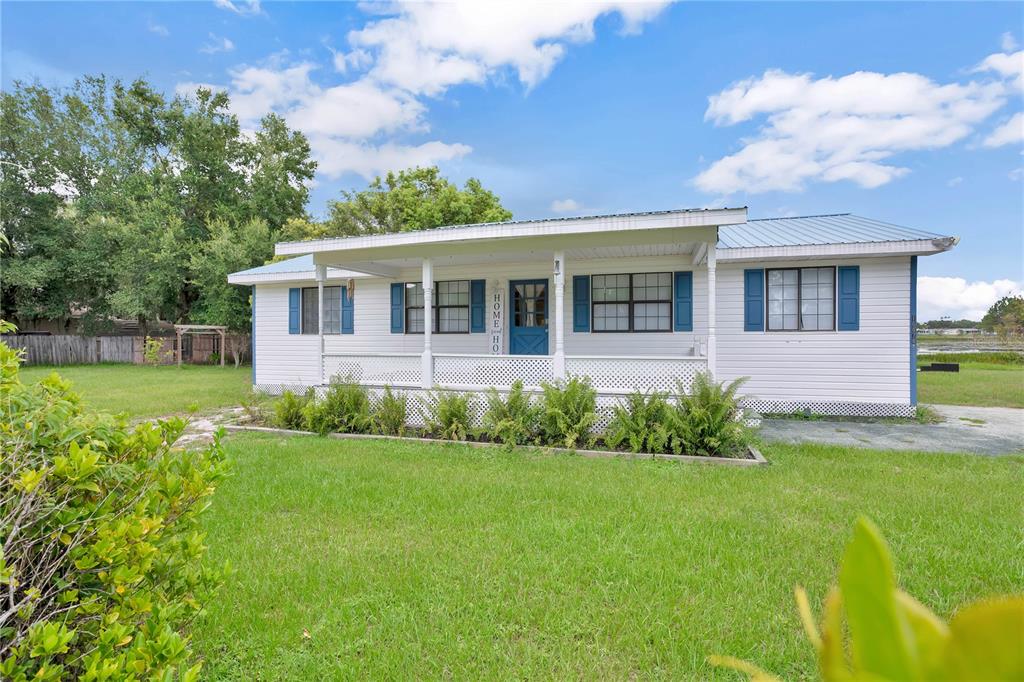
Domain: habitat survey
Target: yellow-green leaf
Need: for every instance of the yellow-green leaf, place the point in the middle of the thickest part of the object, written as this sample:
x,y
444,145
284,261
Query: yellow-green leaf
x,y
987,641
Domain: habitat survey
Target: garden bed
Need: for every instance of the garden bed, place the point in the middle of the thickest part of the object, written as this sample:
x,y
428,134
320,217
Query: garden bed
x,y
752,456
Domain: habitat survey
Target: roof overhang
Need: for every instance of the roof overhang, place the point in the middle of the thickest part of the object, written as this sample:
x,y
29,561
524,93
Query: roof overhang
x,y
277,277
919,247
522,236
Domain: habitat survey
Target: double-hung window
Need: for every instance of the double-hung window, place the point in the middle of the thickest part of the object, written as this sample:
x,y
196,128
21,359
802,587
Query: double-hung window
x,y
801,299
451,307
632,303
332,310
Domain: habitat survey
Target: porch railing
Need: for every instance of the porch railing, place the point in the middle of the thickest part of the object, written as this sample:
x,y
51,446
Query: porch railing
x,y
608,374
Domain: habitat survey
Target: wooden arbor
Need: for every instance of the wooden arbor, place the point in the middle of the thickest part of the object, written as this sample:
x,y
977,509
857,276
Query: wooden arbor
x,y
199,329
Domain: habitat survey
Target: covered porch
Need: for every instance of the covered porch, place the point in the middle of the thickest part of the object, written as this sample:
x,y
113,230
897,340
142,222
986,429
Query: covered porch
x,y
529,311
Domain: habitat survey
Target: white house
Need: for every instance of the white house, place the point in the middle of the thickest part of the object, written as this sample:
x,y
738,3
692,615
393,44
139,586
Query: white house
x,y
818,311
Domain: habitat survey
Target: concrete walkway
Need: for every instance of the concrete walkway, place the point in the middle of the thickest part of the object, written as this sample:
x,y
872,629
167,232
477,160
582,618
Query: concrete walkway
x,y
977,430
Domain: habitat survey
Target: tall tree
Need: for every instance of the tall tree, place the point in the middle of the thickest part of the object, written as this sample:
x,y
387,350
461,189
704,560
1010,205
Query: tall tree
x,y
414,199
1006,317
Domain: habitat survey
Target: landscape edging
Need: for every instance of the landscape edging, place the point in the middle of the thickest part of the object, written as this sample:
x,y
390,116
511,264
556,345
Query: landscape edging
x,y
756,458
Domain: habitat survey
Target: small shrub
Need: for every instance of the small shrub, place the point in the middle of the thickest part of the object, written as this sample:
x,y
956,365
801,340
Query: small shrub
x,y
214,358
345,408
872,630
389,417
101,566
289,410
257,407
641,423
448,415
709,420
153,351
512,420
568,411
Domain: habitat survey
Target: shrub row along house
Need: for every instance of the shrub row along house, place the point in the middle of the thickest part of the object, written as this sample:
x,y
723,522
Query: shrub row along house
x,y
818,312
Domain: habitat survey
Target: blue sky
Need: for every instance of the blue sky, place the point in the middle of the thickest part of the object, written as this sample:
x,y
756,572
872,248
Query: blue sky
x,y
909,113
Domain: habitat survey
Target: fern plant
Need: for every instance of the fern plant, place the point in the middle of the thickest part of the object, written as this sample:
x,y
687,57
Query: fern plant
x,y
389,417
447,415
289,410
345,408
708,420
641,423
568,411
511,420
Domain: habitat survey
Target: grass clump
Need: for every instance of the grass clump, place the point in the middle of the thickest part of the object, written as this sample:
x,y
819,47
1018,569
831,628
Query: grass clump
x,y
641,423
345,408
568,411
709,420
512,420
289,410
389,417
985,357
447,415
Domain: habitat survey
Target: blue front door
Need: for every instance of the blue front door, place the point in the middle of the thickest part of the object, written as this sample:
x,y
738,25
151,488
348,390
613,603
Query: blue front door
x,y
528,333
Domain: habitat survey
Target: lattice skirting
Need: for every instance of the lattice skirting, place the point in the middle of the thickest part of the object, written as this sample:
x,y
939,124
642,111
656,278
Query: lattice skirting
x,y
418,400
836,409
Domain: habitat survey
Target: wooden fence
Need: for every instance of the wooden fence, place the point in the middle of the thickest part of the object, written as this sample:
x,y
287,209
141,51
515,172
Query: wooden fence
x,y
85,350
72,350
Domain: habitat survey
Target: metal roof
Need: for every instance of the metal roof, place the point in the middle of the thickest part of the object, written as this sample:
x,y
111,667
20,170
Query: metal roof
x,y
836,228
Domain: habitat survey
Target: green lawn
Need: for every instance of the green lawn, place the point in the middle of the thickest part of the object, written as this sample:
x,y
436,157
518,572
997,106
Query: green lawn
x,y
144,391
977,383
429,561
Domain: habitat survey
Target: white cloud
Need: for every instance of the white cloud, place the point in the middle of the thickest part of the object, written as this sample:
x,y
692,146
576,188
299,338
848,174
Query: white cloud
x,y
831,129
217,44
243,8
953,182
338,156
957,298
565,206
1011,132
158,29
1009,65
1015,174
426,48
1008,43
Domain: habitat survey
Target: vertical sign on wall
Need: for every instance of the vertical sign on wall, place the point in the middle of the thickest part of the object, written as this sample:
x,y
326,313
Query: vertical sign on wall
x,y
496,319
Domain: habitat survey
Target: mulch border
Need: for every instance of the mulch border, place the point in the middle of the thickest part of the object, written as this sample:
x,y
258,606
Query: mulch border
x,y
755,458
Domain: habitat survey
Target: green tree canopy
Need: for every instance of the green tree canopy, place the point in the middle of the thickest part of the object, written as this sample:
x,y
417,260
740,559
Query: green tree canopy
x,y
410,200
1006,316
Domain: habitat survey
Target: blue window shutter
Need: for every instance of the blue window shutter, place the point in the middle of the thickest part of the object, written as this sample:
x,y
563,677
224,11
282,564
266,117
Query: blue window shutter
x,y
294,297
581,303
347,311
848,299
397,307
684,302
476,306
753,300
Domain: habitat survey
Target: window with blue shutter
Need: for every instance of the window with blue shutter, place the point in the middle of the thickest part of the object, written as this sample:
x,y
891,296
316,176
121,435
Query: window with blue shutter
x,y
477,323
294,299
347,311
753,300
581,303
398,308
684,302
848,298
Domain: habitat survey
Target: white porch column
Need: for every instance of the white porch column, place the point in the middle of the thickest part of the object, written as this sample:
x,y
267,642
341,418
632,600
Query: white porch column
x,y
428,319
321,275
559,272
712,347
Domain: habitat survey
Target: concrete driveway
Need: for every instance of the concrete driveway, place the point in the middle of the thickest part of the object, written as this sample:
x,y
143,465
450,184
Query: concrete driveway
x,y
977,430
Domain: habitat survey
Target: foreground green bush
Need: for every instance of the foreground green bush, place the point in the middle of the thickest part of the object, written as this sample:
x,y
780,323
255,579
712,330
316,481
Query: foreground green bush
x,y
512,420
289,410
872,630
568,411
101,559
389,417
